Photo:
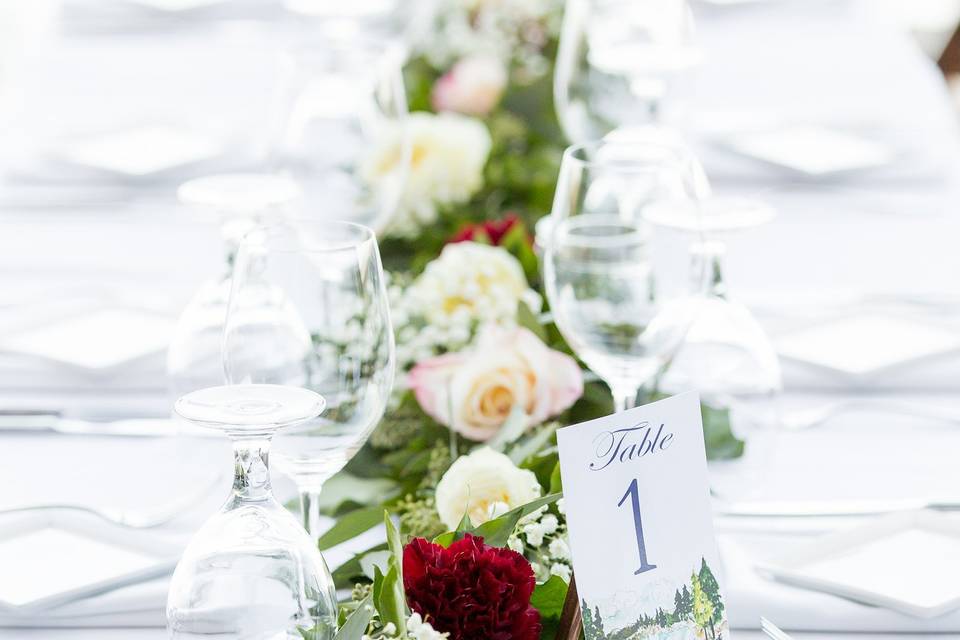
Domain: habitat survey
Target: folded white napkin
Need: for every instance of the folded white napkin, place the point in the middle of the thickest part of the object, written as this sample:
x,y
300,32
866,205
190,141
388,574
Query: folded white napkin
x,y
750,595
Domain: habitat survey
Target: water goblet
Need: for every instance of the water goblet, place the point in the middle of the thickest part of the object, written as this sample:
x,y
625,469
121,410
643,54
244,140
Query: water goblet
x,y
616,61
251,571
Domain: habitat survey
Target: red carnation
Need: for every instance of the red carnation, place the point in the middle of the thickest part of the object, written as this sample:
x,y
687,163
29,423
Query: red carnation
x,y
492,230
471,590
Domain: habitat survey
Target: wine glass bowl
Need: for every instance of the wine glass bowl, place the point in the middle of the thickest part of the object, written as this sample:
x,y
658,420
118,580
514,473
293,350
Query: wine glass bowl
x,y
621,308
309,308
251,571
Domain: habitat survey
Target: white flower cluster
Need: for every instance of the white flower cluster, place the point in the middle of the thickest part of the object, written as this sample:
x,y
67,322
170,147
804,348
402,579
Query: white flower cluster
x,y
508,29
543,541
417,629
468,285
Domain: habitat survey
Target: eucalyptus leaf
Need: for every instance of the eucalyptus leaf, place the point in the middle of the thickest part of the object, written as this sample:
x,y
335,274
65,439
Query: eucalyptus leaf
x,y
351,525
356,624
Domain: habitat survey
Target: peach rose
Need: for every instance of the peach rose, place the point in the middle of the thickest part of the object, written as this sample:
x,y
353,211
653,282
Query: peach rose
x,y
473,86
474,392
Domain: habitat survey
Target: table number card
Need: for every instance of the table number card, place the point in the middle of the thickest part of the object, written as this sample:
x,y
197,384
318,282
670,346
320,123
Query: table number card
x,y
641,532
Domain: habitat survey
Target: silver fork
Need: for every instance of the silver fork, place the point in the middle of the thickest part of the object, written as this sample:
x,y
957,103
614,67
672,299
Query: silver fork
x,y
143,519
772,630
816,416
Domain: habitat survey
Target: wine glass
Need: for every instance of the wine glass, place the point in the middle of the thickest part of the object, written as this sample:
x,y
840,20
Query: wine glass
x,y
309,308
251,571
341,135
616,60
239,201
727,356
621,302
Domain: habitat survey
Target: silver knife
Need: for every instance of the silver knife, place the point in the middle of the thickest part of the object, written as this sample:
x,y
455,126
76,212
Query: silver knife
x,y
52,422
828,508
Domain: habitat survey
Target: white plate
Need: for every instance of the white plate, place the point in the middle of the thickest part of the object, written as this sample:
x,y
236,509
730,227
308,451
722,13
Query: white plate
x,y
906,562
866,344
52,558
98,340
812,150
140,151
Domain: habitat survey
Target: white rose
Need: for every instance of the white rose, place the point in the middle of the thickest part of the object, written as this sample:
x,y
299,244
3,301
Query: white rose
x,y
447,156
483,485
471,281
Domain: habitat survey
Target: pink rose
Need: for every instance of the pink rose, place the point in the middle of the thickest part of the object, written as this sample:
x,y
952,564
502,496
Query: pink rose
x,y
473,86
474,392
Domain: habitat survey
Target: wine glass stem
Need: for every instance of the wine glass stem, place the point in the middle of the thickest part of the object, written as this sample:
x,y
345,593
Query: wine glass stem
x,y
310,509
707,260
251,469
624,396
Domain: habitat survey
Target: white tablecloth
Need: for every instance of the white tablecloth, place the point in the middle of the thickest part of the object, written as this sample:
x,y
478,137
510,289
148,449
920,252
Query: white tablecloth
x,y
892,233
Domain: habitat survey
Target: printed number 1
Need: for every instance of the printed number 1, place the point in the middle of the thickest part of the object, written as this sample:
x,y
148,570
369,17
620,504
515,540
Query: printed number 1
x,y
634,495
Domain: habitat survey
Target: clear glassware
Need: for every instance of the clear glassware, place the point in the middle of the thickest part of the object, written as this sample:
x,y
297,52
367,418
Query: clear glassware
x,y
251,571
341,134
309,308
623,304
239,201
616,61
727,356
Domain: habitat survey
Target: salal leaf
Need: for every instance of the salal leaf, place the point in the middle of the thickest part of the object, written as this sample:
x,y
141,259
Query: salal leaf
x,y
548,597
496,532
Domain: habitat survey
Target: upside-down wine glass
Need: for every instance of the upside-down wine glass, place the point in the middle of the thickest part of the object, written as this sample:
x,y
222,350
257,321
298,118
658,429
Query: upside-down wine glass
x,y
616,61
341,133
727,356
309,308
621,301
239,201
251,571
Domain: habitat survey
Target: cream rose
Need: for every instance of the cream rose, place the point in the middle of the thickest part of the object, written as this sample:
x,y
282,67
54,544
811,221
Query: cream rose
x,y
447,155
484,484
474,392
473,86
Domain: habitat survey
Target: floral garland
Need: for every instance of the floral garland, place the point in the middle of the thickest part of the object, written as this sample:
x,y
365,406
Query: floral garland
x,y
465,463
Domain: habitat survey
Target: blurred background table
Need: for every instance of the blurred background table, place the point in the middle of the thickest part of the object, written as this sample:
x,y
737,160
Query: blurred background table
x,y
884,240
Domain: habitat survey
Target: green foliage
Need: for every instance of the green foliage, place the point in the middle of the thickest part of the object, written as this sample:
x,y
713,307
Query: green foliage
x,y
356,624
496,532
350,526
548,597
718,436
